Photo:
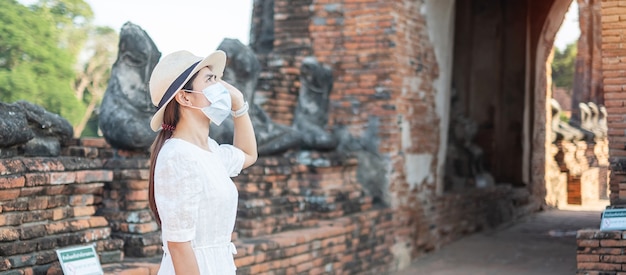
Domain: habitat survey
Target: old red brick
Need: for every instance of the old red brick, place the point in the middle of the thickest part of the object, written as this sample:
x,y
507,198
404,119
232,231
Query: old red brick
x,y
43,164
87,188
59,213
37,179
132,174
606,243
612,259
598,266
83,211
136,195
588,258
95,234
38,203
32,231
8,234
142,228
78,224
244,261
14,181
98,221
87,176
62,177
54,228
136,184
81,200
11,166
55,189
9,194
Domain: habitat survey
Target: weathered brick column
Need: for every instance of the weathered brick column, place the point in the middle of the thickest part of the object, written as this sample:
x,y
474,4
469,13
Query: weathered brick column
x,y
614,79
602,252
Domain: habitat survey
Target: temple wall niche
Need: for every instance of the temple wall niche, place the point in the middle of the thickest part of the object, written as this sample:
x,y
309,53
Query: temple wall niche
x,y
488,93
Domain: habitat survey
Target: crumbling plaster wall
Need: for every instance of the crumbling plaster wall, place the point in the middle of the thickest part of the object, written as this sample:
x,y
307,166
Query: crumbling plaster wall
x,y
440,23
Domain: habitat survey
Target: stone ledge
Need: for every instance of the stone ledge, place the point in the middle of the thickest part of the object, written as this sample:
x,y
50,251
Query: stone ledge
x,y
134,266
354,243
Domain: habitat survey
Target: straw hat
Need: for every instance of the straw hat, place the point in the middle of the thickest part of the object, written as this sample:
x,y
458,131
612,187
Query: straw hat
x,y
171,74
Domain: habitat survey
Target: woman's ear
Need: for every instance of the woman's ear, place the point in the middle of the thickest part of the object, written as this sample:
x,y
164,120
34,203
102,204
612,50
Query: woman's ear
x,y
182,98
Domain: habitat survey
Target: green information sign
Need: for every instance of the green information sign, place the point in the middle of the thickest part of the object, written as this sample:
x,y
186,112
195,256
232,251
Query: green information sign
x,y
613,219
80,261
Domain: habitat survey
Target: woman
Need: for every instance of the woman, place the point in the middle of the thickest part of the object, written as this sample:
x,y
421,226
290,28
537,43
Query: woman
x,y
191,193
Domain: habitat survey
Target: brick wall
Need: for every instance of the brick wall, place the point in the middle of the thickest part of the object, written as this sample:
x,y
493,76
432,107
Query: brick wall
x,y
600,252
303,212
48,203
614,82
384,67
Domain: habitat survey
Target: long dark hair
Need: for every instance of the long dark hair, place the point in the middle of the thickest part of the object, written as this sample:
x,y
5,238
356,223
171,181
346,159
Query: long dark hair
x,y
171,116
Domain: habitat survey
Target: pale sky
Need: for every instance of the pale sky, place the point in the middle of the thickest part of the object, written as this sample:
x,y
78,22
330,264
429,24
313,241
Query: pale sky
x,y
570,31
194,25
199,26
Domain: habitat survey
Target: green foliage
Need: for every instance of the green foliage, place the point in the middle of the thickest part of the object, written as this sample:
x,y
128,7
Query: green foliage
x,y
564,66
72,19
33,64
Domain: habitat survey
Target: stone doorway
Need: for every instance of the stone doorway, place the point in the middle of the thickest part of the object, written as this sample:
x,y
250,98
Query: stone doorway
x,y
500,116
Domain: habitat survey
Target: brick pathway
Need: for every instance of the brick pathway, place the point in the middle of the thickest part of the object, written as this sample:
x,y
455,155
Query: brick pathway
x,y
544,243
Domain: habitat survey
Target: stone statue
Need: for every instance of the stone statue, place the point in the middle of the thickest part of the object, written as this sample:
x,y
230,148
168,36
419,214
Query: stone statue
x,y
586,124
34,130
595,120
372,171
242,71
464,158
560,129
602,120
311,114
126,108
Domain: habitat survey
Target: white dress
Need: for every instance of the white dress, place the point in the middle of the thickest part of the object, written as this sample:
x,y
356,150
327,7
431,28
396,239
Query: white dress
x,y
197,202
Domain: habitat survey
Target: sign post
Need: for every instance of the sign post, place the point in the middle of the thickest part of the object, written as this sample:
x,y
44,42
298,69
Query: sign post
x,y
81,260
613,219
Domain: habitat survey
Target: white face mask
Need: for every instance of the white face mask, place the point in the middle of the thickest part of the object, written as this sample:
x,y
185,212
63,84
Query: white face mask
x,y
220,100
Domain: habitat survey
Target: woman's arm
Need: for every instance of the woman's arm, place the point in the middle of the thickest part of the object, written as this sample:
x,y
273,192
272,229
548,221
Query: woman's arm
x,y
183,258
244,138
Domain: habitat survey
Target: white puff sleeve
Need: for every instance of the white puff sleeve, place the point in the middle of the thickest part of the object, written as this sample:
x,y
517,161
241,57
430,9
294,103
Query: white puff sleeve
x,y
231,156
177,192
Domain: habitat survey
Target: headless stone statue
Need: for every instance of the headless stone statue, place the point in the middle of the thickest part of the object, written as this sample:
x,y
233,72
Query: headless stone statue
x,y
586,124
595,120
560,129
464,158
34,130
311,114
372,172
126,108
602,120
242,71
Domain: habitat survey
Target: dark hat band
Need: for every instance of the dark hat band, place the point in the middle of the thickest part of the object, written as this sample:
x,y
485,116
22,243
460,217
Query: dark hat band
x,y
177,83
